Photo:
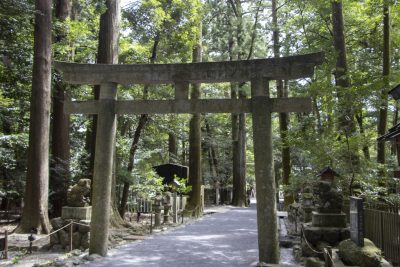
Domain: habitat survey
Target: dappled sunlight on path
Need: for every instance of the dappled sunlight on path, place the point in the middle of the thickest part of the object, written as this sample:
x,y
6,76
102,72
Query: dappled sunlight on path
x,y
220,239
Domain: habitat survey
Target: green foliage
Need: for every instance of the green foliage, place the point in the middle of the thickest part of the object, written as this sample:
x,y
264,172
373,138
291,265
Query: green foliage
x,y
183,188
171,29
12,164
172,23
146,183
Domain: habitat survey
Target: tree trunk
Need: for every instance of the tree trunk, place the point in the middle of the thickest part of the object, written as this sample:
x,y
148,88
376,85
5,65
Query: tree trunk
x,y
136,137
213,161
172,148
239,158
238,120
283,117
107,53
346,125
35,212
365,148
183,156
59,174
104,211
382,120
236,155
195,178
346,122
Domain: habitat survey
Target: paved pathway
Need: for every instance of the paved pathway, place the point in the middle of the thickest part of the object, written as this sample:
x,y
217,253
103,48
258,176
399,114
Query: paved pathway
x,y
220,239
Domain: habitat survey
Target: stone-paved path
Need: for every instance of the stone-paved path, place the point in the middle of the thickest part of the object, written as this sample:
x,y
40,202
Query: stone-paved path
x,y
220,239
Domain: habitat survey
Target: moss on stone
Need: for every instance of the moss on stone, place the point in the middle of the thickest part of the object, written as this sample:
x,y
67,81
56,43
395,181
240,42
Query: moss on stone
x,y
367,256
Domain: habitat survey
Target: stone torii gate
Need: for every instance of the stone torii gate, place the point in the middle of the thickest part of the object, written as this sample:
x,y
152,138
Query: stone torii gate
x,y
259,72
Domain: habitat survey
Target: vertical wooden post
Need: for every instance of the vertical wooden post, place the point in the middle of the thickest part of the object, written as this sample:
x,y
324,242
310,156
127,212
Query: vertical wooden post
x,y
5,245
267,225
151,222
175,208
103,166
71,227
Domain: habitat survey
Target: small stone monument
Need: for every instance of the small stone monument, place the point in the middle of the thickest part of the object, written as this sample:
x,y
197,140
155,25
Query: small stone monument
x,y
357,221
307,206
175,207
77,212
78,201
329,207
157,209
328,225
167,201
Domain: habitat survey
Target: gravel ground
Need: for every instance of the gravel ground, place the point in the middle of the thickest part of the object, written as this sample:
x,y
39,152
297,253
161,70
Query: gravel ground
x,y
226,236
223,239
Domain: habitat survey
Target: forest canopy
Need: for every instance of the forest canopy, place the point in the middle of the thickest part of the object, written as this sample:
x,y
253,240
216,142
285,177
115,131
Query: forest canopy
x,y
340,132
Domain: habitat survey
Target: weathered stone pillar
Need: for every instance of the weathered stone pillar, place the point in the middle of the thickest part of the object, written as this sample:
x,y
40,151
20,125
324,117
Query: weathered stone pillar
x,y
175,208
157,209
103,166
167,206
268,243
157,215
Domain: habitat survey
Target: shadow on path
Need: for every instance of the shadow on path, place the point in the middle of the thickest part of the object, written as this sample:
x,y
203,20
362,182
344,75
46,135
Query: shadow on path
x,y
220,239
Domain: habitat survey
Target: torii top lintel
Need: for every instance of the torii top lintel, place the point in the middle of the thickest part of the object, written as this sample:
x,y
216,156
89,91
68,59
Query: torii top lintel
x,y
283,68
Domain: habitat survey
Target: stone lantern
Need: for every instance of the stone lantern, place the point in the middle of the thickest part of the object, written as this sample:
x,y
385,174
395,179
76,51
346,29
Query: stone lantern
x,y
157,209
307,203
167,201
327,174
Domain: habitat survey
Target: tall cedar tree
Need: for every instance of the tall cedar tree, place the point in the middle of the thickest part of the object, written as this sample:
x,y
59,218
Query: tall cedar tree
x,y
195,178
35,211
59,174
103,209
238,120
283,117
136,137
382,121
346,125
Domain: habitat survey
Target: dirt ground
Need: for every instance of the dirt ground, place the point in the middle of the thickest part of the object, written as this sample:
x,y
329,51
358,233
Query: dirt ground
x,y
18,243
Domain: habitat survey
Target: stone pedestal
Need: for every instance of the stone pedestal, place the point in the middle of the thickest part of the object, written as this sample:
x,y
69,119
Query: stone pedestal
x,y
166,213
175,208
61,240
77,213
307,215
328,219
157,215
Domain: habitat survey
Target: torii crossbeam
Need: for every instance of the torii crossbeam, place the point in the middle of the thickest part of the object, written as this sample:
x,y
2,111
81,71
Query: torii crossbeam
x,y
259,72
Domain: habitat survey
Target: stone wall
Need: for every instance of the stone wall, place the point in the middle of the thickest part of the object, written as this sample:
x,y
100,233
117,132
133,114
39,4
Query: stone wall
x,y
61,240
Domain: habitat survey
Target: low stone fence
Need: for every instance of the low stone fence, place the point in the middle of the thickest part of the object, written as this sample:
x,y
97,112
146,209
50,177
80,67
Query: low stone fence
x,y
69,234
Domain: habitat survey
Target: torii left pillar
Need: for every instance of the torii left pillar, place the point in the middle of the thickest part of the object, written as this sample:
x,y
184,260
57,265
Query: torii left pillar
x,y
103,167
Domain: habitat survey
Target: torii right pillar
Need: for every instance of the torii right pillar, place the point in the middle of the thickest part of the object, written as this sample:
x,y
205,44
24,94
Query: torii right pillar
x,y
268,242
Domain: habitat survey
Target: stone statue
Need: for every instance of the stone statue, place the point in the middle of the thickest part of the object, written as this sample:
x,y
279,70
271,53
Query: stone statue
x,y
329,199
78,195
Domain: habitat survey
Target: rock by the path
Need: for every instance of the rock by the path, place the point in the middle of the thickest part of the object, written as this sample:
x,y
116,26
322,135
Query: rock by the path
x,y
57,248
76,239
63,236
57,223
367,256
85,240
133,237
314,262
76,252
92,257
